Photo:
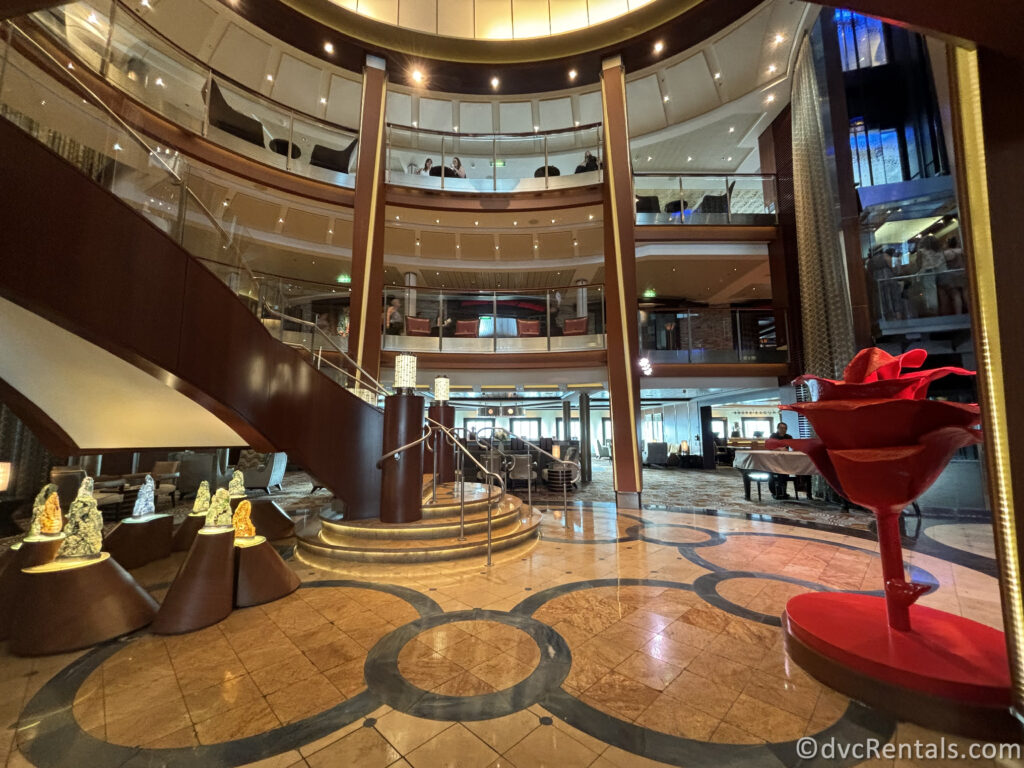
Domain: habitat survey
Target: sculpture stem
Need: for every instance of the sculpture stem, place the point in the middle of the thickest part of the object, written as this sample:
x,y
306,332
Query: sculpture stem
x,y
898,593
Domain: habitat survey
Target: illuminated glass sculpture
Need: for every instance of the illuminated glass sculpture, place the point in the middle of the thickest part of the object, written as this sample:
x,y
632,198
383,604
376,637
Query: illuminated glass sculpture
x,y
84,528
236,488
219,513
39,507
202,502
244,529
144,503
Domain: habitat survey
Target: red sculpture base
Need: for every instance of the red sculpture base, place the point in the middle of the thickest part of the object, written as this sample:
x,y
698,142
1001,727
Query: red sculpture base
x,y
947,673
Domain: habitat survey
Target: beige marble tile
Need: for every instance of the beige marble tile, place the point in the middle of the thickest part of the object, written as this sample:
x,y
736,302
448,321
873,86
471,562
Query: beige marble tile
x,y
205,703
406,732
362,748
764,720
303,698
274,677
621,696
246,720
456,747
548,747
501,733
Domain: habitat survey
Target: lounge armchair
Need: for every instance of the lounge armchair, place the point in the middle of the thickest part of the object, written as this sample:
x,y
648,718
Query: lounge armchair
x,y
576,326
417,326
264,471
656,454
467,328
333,159
230,120
166,475
528,327
648,204
551,171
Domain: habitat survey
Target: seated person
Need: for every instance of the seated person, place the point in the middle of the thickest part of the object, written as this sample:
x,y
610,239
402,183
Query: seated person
x,y
460,172
589,163
777,484
427,165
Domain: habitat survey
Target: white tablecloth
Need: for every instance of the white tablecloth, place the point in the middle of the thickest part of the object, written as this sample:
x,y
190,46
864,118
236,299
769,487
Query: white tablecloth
x,y
781,462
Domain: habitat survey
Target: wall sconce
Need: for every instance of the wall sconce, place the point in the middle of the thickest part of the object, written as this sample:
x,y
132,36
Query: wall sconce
x,y
442,387
5,475
405,371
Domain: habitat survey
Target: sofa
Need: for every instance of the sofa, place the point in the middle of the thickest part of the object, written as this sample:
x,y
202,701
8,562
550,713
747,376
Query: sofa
x,y
262,470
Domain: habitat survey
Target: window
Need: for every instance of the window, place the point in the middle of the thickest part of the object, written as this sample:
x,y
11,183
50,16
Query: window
x,y
606,429
861,41
653,428
751,428
876,155
574,428
718,427
475,425
528,429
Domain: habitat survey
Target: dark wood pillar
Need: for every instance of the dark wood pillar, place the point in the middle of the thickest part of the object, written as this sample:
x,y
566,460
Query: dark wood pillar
x,y
989,138
775,147
402,475
586,471
367,302
620,289
443,413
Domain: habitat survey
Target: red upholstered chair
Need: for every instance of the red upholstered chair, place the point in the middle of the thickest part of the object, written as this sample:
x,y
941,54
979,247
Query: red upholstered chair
x,y
528,327
417,326
467,328
575,326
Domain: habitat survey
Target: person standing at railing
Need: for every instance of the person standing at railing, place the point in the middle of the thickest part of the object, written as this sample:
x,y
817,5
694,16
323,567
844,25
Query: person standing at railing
x,y
931,262
886,288
953,282
393,321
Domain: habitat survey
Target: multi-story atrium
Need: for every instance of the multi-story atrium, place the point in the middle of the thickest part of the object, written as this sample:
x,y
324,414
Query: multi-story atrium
x,y
509,383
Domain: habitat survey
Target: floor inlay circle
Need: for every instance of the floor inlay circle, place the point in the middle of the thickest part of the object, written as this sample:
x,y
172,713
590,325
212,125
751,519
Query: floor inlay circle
x,y
467,665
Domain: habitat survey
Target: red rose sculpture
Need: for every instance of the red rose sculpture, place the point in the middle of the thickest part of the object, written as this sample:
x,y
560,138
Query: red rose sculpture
x,y
881,445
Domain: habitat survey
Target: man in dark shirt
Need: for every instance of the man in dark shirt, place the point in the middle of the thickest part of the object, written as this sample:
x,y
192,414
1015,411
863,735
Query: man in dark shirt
x,y
777,485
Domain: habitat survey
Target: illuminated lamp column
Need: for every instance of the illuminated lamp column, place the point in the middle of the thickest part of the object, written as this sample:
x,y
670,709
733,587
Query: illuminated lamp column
x,y
402,474
620,294
367,302
443,413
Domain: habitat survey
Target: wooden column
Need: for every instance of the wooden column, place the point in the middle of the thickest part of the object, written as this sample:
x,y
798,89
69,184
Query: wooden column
x,y
620,293
367,303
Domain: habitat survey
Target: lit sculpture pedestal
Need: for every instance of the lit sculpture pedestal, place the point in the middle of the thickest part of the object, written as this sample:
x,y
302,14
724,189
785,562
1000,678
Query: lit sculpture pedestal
x,y
30,551
186,533
947,673
268,518
261,576
202,591
70,604
136,541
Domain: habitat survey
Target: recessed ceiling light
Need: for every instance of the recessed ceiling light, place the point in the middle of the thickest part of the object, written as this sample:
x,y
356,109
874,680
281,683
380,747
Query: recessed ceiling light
x,y
572,74
772,69
495,82
396,218
779,37
93,19
659,47
160,81
515,223
456,129
457,246
280,221
323,99
689,159
270,78
732,129
534,246
417,76
496,247
415,124
329,47
552,221
591,217
536,128
476,223
649,158
225,203
437,221
117,147
330,231
575,243
665,98
718,75
728,159
145,3
770,98
417,243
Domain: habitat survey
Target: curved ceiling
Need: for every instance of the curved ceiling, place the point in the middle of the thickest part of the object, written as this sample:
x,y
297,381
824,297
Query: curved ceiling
x,y
99,400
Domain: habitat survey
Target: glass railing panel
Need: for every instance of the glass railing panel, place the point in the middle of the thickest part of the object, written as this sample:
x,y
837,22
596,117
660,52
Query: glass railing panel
x,y
412,156
577,156
752,199
324,152
521,322
711,335
521,163
82,26
468,163
658,200
935,299
248,125
153,72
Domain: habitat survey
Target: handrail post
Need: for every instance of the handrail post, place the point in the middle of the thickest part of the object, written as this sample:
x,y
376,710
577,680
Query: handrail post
x,y
565,497
494,162
433,492
291,137
546,182
444,165
206,103
108,47
460,476
490,507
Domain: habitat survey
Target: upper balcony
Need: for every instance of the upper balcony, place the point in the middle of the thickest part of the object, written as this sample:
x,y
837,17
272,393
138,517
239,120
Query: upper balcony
x,y
738,199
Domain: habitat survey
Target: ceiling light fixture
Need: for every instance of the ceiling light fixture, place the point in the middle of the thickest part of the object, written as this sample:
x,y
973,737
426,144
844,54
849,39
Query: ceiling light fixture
x,y
536,128
495,82
772,69
665,98
770,98
437,221
476,223
323,99
649,158
93,19
280,221
779,38
659,47
329,48
330,231
415,124
572,74
718,75
591,217
396,218
417,76
732,129
728,159
270,78
160,81
689,159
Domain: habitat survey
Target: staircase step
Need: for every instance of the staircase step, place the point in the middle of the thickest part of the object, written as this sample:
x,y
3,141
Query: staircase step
x,y
400,550
345,532
449,499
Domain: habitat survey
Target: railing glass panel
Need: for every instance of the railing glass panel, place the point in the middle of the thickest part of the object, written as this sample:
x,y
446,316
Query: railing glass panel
x,y
738,199
711,335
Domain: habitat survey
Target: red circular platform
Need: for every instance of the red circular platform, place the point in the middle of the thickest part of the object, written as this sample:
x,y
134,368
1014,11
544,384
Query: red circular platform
x,y
943,655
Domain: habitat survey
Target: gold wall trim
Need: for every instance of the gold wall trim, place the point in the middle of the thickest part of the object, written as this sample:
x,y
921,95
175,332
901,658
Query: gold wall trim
x,y
609,166
487,51
972,184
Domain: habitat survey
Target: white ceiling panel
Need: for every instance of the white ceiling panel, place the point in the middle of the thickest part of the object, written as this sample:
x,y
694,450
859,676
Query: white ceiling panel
x,y
494,19
381,10
297,84
591,109
643,100
476,117
603,10
399,108
691,89
436,114
185,22
567,15
455,18
556,113
739,53
343,101
420,15
241,56
530,18
515,116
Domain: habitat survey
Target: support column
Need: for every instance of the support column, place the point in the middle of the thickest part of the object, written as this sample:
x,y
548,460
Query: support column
x,y
566,422
367,302
586,455
402,476
410,294
581,298
620,294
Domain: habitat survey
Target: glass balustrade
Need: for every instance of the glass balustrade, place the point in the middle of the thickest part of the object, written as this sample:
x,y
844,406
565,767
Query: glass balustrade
x,y
446,320
737,199
924,300
494,162
712,335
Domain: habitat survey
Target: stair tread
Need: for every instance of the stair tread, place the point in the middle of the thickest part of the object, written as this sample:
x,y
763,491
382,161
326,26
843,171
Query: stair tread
x,y
509,505
519,526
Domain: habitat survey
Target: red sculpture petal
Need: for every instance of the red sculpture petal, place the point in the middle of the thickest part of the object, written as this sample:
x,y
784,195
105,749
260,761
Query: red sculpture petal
x,y
874,364
909,386
846,424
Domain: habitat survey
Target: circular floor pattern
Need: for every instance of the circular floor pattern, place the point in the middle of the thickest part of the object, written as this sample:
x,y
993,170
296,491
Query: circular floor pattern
x,y
976,538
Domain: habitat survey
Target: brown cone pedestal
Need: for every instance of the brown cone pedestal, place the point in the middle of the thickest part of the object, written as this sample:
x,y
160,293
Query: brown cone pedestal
x,y
134,542
261,575
268,519
186,533
66,605
202,592
30,551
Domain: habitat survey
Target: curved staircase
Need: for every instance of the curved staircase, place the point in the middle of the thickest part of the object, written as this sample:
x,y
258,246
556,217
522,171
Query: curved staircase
x,y
433,538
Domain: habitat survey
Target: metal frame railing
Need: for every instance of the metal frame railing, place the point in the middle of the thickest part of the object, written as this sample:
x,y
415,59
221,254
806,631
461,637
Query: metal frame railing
x,y
728,180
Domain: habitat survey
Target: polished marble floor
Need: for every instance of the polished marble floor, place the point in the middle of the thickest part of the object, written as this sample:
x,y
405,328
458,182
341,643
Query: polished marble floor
x,y
622,638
